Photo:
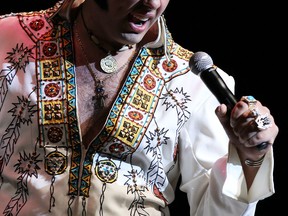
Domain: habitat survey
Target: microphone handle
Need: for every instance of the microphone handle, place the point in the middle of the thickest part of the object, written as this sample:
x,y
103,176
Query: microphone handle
x,y
218,87
222,93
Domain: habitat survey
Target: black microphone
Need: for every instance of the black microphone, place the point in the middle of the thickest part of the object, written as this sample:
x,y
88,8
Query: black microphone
x,y
202,64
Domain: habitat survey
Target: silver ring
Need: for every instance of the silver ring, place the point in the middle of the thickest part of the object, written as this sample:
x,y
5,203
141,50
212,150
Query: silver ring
x,y
263,121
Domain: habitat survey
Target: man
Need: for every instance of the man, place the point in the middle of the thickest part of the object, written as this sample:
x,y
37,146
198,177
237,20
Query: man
x,y
100,114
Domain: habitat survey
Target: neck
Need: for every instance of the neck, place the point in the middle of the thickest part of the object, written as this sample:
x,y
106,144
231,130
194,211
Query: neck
x,y
88,53
105,47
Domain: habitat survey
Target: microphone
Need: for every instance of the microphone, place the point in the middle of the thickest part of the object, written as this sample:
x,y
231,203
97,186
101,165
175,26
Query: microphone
x,y
202,64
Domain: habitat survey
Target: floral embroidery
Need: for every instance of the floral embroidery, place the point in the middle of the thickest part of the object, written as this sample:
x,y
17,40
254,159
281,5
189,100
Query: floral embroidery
x,y
22,113
18,58
27,166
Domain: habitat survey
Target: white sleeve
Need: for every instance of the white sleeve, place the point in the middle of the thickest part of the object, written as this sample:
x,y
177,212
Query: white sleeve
x,y
211,172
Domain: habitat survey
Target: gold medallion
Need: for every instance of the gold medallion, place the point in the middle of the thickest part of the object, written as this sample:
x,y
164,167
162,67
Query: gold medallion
x,y
108,64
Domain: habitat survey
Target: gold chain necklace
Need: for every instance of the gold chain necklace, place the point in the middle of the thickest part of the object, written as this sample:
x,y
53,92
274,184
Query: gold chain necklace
x,y
99,90
108,64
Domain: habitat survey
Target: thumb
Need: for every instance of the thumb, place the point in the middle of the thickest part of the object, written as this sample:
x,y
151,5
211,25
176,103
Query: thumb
x,y
223,115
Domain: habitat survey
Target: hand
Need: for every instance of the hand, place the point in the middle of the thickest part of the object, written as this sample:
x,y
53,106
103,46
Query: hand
x,y
242,128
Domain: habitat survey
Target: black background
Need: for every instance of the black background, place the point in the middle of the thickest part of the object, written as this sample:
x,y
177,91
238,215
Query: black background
x,y
246,41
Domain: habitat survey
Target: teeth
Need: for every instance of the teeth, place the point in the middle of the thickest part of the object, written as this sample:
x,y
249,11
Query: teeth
x,y
140,18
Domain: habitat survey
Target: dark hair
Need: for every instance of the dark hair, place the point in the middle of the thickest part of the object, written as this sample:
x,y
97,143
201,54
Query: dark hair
x,y
103,4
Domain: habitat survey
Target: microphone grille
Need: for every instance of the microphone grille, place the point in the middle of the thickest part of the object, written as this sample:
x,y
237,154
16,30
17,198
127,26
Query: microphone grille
x,y
199,62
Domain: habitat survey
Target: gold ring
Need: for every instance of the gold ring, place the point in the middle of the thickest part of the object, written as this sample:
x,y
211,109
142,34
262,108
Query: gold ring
x,y
251,101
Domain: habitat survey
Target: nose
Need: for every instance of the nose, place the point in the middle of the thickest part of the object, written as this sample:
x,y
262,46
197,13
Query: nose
x,y
152,3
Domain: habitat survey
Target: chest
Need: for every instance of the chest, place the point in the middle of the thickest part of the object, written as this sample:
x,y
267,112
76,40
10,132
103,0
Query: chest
x,y
89,101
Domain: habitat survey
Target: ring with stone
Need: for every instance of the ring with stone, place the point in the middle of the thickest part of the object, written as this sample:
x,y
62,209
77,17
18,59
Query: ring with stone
x,y
251,101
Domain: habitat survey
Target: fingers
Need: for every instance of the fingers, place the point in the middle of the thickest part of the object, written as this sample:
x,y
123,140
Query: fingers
x,y
252,123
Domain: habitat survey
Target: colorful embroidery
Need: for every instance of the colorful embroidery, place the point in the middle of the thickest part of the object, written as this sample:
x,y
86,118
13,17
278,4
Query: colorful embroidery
x,y
37,24
55,163
169,66
106,171
128,124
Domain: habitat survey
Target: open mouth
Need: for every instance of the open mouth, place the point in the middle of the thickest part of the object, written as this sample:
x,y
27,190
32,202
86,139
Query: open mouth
x,y
138,20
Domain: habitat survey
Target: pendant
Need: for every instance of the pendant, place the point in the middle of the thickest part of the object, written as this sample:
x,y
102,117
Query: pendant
x,y
100,95
108,64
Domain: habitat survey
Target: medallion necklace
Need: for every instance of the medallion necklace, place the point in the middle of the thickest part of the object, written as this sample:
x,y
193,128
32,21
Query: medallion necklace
x,y
108,64
99,88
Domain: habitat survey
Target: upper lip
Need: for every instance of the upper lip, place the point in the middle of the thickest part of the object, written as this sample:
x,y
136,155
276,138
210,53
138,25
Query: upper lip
x,y
141,17
144,16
